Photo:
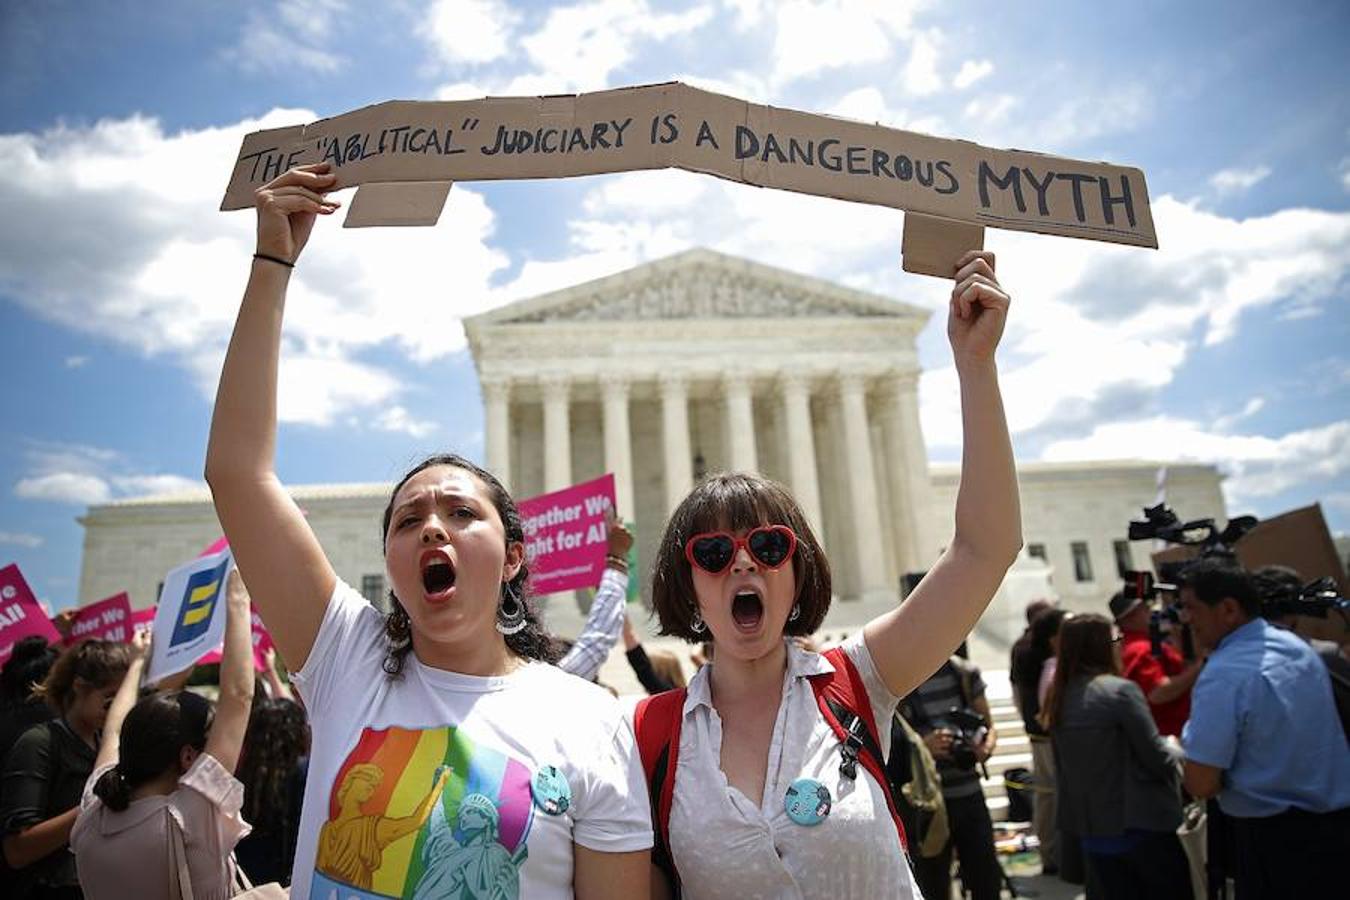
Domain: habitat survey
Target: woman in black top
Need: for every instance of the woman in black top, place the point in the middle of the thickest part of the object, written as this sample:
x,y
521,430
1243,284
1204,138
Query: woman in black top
x,y
45,771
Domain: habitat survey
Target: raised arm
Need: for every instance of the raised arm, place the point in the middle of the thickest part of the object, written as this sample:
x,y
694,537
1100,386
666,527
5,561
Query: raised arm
x,y
273,546
910,642
236,678
122,702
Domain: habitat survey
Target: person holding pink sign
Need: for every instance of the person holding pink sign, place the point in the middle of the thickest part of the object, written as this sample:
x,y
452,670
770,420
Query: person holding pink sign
x,y
767,773
442,723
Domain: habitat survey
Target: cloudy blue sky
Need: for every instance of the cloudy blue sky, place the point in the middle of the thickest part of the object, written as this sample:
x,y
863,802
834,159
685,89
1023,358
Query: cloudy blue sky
x,y
119,280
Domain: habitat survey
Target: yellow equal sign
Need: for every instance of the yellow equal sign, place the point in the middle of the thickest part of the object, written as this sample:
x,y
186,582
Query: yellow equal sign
x,y
199,603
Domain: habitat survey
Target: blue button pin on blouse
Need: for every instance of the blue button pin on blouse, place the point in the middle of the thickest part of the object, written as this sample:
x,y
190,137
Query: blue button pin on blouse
x,y
550,791
807,801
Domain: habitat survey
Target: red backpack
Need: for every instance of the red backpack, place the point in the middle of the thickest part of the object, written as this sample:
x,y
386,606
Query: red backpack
x,y
844,704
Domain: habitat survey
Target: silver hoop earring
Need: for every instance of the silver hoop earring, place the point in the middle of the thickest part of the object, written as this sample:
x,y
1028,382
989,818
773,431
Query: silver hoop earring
x,y
696,624
511,611
796,612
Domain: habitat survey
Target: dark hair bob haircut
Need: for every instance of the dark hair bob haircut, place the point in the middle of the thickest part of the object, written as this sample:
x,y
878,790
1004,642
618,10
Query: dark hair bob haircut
x,y
533,641
735,501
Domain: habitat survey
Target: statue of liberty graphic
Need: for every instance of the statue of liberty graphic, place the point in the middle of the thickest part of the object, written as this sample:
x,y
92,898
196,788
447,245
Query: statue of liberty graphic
x,y
466,861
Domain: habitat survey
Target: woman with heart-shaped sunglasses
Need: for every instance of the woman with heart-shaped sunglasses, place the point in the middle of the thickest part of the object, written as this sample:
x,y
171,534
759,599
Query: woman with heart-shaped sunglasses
x,y
739,565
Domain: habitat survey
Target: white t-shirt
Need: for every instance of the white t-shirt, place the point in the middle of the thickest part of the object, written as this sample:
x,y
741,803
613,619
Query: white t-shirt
x,y
378,823
728,845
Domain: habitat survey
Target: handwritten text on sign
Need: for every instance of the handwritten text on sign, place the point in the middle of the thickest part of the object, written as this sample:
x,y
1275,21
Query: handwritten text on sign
x,y
674,125
565,537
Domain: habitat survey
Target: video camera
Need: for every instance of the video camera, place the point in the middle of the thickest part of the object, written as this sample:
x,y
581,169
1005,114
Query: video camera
x,y
1282,597
1162,524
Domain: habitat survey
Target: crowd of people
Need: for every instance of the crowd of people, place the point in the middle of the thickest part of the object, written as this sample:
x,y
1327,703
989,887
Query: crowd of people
x,y
1145,721
450,746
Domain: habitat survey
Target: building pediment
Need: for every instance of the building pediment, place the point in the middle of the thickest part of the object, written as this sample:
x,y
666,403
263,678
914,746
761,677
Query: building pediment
x,y
700,284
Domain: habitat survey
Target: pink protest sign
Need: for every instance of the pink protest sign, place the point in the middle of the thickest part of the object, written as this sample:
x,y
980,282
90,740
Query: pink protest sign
x,y
20,613
565,536
262,642
106,620
143,620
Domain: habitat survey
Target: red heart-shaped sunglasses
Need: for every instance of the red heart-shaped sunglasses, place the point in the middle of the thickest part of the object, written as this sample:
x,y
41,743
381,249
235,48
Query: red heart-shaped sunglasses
x,y
769,545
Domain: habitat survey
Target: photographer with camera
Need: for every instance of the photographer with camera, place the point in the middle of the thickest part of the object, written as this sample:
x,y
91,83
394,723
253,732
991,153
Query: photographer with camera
x,y
952,715
1264,739
1161,672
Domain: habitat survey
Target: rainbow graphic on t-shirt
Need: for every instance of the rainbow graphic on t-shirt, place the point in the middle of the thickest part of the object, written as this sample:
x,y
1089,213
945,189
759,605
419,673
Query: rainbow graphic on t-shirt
x,y
423,814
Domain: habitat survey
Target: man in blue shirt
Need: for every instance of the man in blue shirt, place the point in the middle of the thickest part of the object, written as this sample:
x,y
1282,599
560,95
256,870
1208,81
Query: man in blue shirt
x,y
1264,738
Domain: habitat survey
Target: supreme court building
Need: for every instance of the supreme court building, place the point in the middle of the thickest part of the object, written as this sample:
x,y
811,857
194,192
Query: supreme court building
x,y
693,364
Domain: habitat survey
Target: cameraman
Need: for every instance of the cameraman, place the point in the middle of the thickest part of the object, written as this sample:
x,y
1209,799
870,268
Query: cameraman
x,y
951,713
1166,680
1263,737
1280,588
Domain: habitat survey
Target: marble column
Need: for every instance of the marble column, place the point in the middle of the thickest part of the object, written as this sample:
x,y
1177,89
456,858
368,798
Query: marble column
x,y
904,389
675,434
497,409
801,446
618,441
864,509
905,457
557,432
740,423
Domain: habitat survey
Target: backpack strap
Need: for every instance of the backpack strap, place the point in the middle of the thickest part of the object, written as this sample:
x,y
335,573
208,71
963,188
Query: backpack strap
x,y
846,707
656,723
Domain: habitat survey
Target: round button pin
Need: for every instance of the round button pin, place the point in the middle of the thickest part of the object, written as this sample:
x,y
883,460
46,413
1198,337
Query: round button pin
x,y
807,801
550,791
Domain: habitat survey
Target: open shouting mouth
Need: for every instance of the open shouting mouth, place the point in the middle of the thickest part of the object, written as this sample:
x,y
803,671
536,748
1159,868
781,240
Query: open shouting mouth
x,y
747,609
438,575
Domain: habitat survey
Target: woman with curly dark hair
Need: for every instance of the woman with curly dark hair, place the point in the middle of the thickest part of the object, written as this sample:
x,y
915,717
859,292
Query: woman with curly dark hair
x,y
272,767
448,695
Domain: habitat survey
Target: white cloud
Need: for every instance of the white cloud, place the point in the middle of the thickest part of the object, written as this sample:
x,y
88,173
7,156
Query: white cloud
x,y
288,37
813,37
921,76
972,71
579,47
1252,407
1344,171
64,487
396,418
1096,329
1235,181
470,31
992,109
76,362
151,265
1258,466
84,475
20,539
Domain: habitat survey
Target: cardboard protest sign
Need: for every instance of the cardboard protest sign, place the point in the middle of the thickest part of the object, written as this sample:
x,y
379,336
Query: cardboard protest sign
x,y
950,182
565,538
21,614
106,620
190,619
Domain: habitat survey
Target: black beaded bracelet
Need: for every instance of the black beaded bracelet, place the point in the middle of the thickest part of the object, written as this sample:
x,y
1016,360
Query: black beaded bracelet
x,y
276,259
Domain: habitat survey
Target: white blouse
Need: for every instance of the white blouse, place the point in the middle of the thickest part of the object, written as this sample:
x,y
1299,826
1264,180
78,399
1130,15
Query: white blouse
x,y
726,845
